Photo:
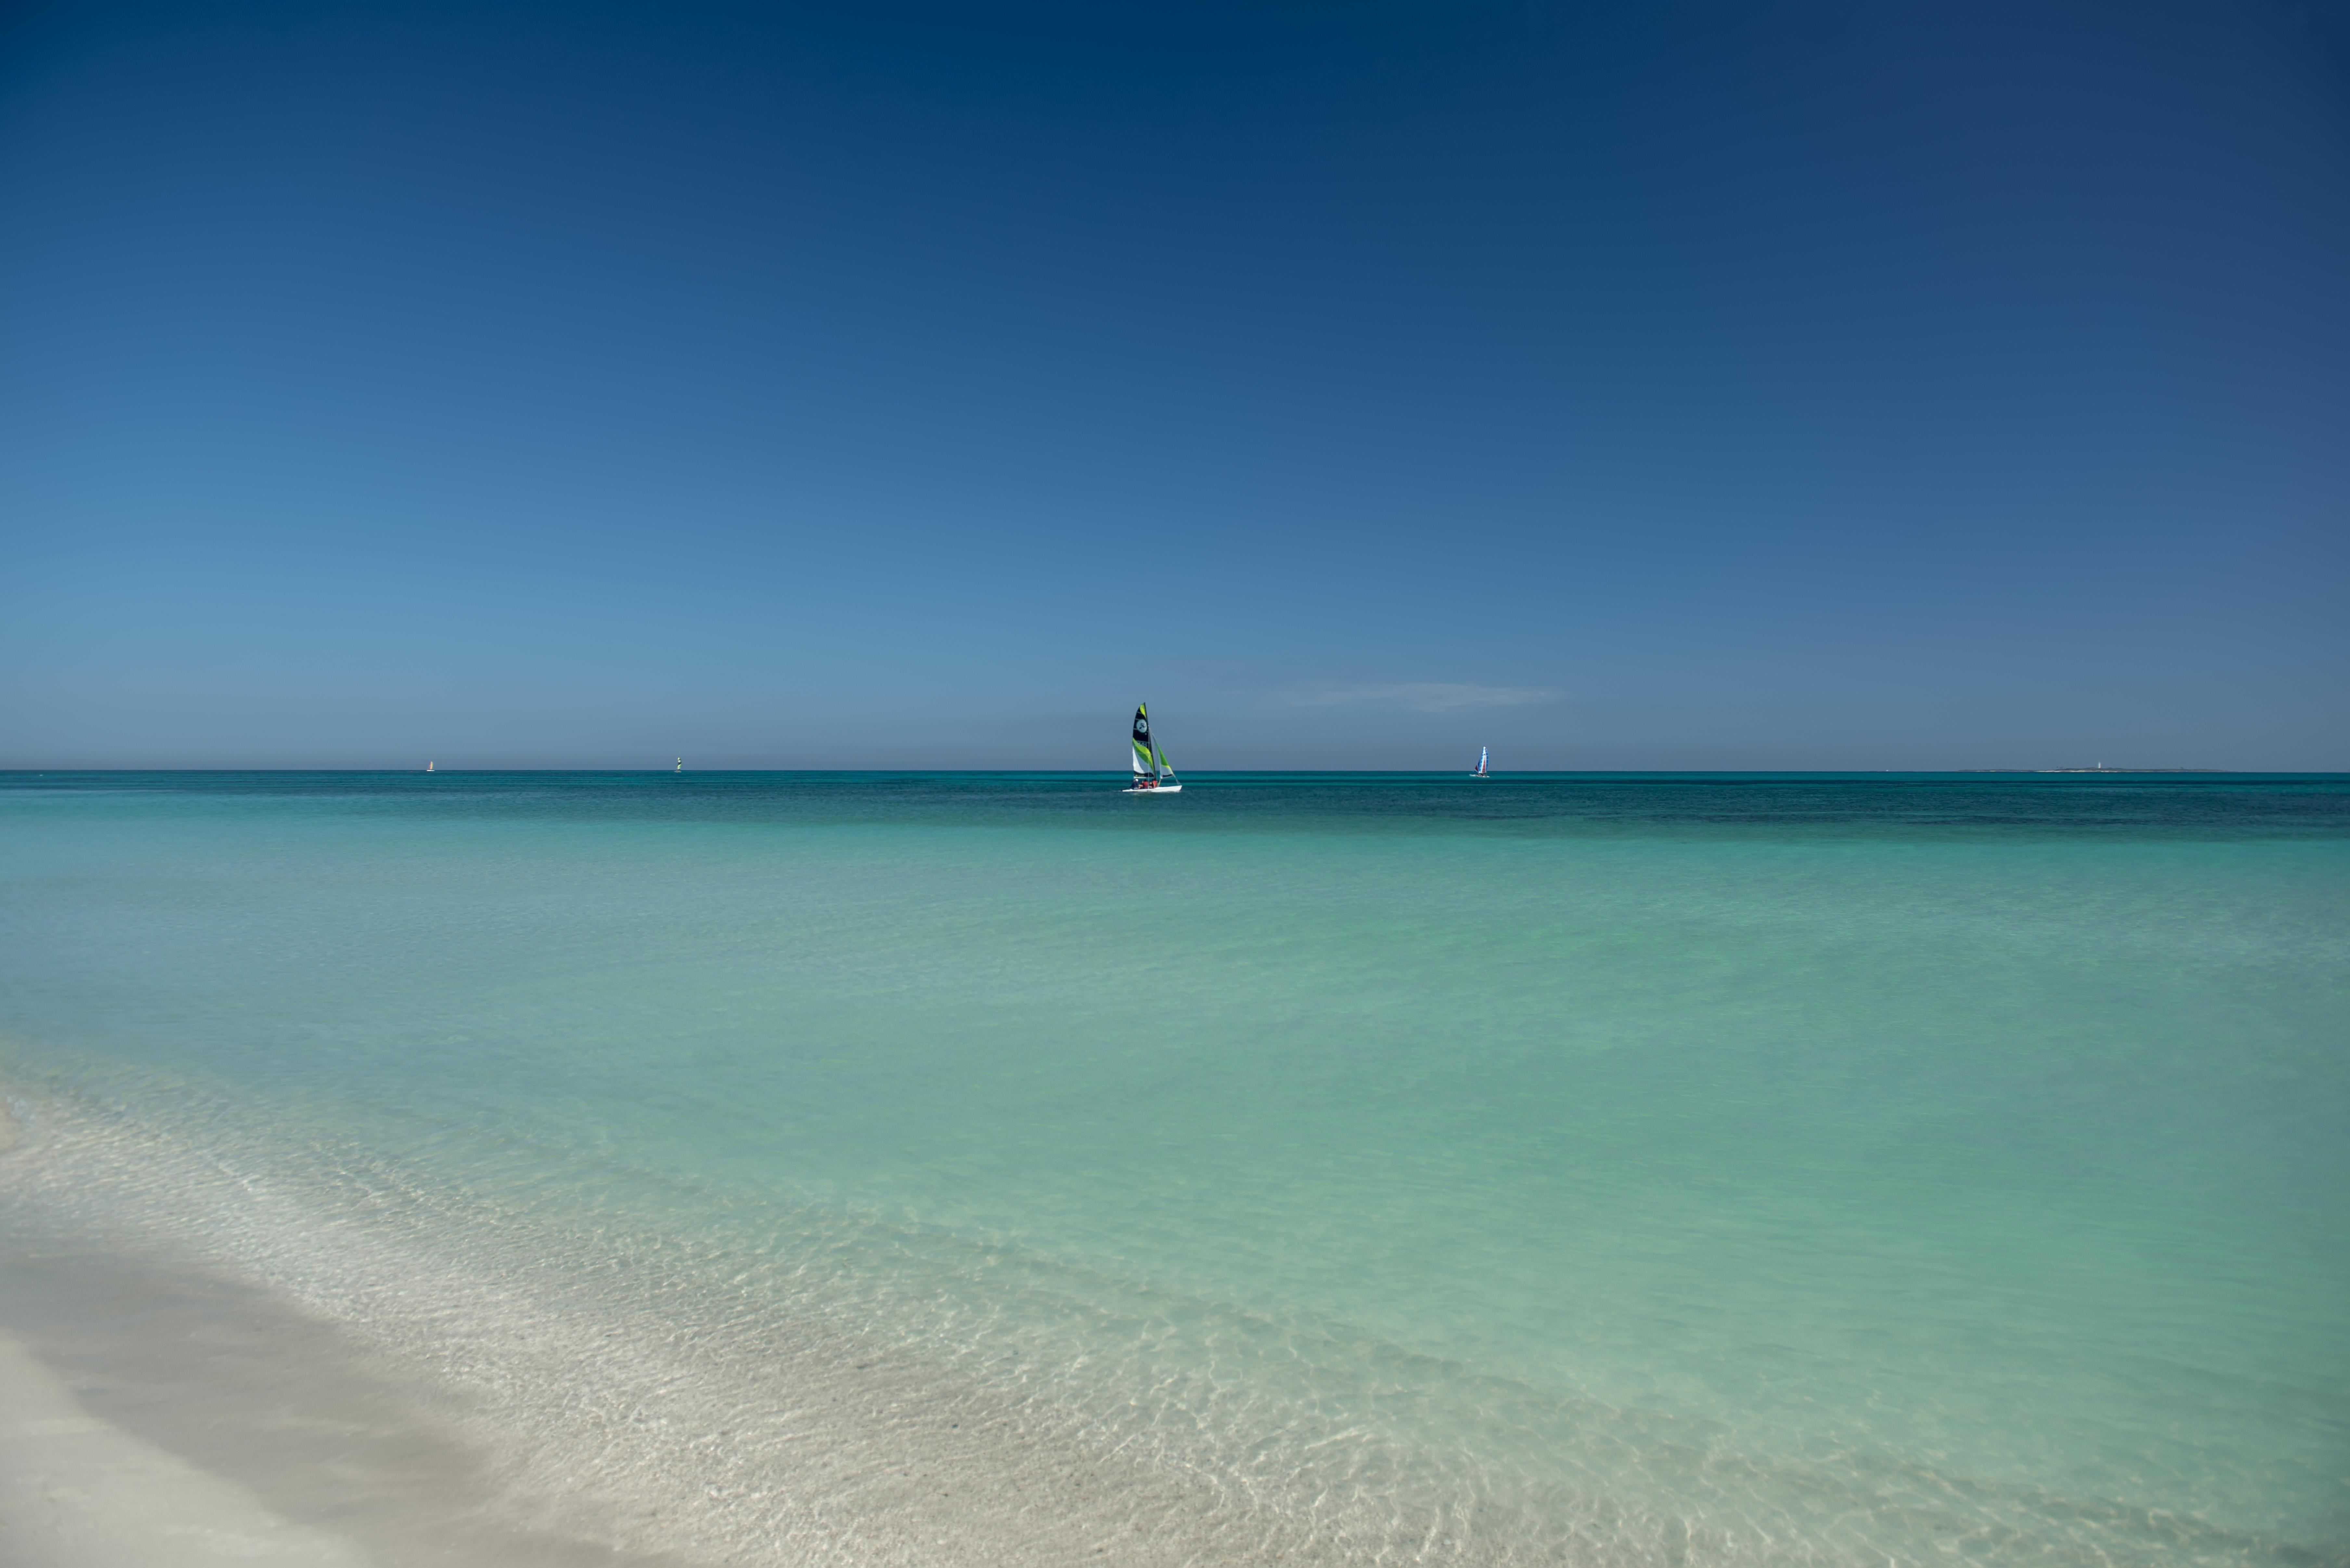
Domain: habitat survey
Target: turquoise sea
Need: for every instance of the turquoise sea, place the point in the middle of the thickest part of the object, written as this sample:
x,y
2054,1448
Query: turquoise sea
x,y
1678,1170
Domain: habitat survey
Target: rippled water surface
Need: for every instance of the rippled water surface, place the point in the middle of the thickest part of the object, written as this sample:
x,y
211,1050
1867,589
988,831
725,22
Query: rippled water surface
x,y
1605,1168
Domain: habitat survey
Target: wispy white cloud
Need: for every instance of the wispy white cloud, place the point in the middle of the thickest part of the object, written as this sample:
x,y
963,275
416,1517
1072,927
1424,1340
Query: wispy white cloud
x,y
1419,696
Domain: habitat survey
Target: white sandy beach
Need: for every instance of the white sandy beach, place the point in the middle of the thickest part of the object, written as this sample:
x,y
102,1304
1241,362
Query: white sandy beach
x,y
78,1492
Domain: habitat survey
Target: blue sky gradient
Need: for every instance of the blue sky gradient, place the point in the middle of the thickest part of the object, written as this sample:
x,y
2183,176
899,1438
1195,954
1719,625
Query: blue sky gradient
x,y
1619,386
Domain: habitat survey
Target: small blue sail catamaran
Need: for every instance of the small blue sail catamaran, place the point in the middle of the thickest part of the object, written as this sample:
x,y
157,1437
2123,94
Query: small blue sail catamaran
x,y
1480,773
1152,772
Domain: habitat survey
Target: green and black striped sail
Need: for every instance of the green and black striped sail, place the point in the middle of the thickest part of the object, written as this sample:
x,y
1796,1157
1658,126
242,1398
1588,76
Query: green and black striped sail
x,y
1145,755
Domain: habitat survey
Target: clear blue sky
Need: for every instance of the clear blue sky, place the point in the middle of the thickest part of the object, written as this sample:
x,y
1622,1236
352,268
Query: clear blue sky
x,y
1617,385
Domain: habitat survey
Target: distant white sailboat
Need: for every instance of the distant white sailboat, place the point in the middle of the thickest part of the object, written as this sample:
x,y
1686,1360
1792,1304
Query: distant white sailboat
x,y
1480,773
1153,775
427,767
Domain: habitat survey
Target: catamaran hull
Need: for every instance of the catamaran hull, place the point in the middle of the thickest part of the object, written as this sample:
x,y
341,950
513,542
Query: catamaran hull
x,y
1154,789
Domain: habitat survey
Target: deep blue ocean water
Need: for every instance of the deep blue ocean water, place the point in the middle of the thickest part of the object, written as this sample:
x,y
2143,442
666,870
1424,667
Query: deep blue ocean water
x,y
1605,1168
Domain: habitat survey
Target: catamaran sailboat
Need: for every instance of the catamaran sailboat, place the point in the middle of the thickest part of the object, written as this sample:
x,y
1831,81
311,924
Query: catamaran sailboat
x,y
1152,772
1480,773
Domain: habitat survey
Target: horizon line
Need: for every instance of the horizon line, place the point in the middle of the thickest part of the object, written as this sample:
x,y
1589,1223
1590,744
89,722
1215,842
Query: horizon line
x,y
2073,771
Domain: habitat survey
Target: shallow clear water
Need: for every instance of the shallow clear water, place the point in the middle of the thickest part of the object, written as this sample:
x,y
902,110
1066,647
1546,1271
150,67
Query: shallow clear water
x,y
1658,1168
